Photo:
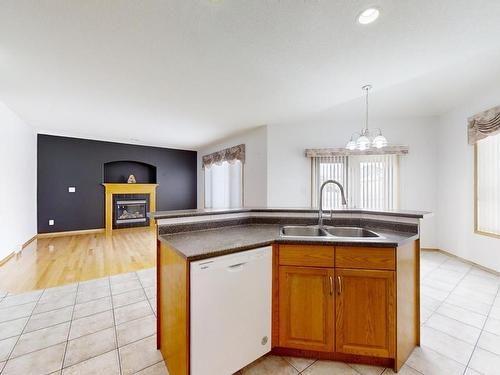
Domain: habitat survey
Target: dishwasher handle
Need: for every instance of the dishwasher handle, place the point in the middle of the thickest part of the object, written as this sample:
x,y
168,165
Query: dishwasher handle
x,y
236,267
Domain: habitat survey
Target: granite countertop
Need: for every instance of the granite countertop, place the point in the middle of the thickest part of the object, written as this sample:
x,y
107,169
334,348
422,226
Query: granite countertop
x,y
204,244
208,211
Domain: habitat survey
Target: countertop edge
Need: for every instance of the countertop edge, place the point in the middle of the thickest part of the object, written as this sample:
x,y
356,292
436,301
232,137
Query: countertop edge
x,y
205,212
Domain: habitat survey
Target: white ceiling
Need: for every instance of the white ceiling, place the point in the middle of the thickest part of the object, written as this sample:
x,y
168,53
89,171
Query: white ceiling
x,y
182,73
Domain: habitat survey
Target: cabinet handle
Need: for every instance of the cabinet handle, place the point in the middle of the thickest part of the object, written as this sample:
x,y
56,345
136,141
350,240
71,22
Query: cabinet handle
x,y
331,285
339,279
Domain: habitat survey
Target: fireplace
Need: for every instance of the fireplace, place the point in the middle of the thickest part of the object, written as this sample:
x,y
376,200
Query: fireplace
x,y
129,210
136,215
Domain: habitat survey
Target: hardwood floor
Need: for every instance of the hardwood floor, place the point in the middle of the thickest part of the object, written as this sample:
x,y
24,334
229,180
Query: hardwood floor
x,y
56,261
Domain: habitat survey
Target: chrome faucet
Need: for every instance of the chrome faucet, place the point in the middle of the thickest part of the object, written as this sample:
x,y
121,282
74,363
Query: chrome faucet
x,y
320,210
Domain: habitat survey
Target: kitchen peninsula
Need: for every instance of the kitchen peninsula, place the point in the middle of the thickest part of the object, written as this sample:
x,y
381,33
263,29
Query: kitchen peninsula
x,y
346,291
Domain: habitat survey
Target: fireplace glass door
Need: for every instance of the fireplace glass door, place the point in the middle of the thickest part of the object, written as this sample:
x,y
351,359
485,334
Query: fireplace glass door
x,y
130,211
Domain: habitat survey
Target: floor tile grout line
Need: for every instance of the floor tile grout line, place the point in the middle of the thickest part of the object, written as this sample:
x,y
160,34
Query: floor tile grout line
x,y
37,350
69,330
88,359
114,329
17,341
482,330
35,330
148,366
463,307
154,364
296,369
133,320
21,304
356,371
453,337
440,354
134,341
456,320
149,302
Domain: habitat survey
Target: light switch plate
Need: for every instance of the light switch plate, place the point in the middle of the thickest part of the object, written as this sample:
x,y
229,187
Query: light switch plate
x,y
71,189
51,222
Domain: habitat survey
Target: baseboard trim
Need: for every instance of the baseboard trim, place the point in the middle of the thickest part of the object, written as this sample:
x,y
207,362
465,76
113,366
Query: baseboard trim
x,y
8,257
29,241
71,233
487,269
429,249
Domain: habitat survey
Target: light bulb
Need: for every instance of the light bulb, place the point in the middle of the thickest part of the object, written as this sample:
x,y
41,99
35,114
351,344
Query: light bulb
x,y
379,141
351,145
363,143
368,16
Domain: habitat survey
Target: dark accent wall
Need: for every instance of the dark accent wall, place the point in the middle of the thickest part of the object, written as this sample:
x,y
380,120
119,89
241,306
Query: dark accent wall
x,y
65,162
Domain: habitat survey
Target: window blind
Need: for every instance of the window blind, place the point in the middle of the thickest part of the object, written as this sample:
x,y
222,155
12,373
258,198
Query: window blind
x,y
370,181
488,185
224,185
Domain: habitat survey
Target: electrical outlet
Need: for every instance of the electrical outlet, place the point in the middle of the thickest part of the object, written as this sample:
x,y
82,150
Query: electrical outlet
x,y
71,189
51,222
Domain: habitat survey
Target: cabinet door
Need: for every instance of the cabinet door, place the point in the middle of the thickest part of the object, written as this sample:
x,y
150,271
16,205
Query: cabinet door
x,y
365,312
306,304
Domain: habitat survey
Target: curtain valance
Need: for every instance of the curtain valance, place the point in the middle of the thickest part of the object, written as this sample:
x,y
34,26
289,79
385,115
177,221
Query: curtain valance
x,y
330,152
230,155
484,124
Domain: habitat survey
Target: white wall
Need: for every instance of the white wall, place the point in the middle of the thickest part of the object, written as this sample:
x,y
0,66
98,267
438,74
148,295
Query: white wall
x,y
455,215
255,167
289,178
18,182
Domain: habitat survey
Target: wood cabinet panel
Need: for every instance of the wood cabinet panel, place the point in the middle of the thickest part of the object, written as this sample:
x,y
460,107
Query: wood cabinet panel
x,y
408,301
173,303
365,312
307,255
376,258
306,306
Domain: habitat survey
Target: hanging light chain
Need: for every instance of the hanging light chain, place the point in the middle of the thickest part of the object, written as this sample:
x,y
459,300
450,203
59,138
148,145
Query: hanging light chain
x,y
366,88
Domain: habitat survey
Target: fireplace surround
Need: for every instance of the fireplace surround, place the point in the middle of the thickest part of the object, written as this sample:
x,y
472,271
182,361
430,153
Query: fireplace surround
x,y
136,199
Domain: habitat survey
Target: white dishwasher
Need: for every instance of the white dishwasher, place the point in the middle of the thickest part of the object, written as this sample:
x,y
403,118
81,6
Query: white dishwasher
x,y
230,311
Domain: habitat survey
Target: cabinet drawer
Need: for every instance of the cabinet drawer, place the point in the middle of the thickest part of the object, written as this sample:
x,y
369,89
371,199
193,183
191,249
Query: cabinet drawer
x,y
306,255
373,258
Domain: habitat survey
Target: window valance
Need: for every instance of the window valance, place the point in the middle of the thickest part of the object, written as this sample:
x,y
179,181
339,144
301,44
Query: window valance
x,y
330,152
230,155
484,124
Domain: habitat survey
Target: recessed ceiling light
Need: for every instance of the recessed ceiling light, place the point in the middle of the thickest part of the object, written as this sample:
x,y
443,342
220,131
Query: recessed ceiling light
x,y
368,16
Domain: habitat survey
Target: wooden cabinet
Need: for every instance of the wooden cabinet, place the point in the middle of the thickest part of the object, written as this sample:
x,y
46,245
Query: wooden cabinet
x,y
306,308
365,312
372,316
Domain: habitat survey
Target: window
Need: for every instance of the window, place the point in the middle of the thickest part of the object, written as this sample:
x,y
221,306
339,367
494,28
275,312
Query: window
x,y
224,185
370,181
487,185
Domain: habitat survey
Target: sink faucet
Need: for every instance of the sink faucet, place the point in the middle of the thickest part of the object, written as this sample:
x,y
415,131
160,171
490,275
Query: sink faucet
x,y
320,209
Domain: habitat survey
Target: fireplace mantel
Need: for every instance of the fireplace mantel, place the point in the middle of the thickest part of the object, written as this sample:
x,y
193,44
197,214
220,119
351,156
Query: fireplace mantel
x,y
111,189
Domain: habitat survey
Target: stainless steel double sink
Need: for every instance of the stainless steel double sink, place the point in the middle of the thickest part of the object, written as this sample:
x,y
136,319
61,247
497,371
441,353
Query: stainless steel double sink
x,y
312,231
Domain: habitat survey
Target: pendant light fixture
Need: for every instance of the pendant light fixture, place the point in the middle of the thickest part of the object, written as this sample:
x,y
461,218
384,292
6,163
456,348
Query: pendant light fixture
x,y
365,139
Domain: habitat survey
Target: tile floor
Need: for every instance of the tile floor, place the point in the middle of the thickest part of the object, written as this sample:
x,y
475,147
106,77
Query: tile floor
x,y
108,326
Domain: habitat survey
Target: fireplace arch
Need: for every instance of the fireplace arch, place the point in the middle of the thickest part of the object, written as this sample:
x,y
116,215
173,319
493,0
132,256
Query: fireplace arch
x,y
117,172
